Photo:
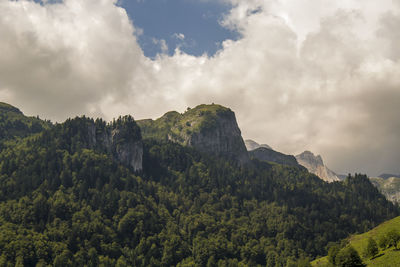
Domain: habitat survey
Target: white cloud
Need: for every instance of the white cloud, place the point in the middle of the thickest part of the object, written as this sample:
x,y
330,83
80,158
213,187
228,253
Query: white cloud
x,y
57,59
179,36
306,74
162,43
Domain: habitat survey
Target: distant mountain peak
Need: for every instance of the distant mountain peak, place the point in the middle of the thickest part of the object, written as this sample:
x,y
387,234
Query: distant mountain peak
x,y
310,157
389,185
388,175
315,165
252,145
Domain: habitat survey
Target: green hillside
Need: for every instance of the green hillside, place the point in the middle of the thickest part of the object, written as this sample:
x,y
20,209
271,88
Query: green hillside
x,y
71,196
14,124
385,258
174,125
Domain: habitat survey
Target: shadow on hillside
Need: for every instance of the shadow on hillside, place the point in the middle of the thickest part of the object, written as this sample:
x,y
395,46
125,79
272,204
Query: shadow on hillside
x,y
378,256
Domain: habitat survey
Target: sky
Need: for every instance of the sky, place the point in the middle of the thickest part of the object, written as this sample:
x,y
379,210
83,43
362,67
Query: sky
x,y
316,75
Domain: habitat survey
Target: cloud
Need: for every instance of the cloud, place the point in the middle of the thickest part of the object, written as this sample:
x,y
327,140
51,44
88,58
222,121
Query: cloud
x,y
179,36
61,59
162,43
311,74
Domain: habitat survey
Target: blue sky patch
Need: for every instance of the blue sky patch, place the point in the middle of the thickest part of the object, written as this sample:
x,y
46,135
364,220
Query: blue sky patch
x,y
191,25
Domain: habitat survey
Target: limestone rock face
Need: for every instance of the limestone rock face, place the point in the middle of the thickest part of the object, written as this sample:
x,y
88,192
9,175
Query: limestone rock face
x,y
388,186
122,139
208,128
222,138
315,165
129,152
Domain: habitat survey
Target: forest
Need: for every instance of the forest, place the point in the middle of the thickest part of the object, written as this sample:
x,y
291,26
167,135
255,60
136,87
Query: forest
x,y
67,202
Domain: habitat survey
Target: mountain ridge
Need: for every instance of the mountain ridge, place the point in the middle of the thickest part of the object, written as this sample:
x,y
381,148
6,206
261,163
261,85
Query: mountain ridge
x,y
387,175
14,124
208,128
252,145
69,197
315,165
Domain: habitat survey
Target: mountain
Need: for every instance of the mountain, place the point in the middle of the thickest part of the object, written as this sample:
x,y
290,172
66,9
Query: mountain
x,y
386,256
70,196
208,128
266,154
315,164
251,145
14,124
387,175
390,187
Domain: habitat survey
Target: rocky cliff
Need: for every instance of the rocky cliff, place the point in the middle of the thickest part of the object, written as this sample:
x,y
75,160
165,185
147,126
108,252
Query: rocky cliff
x,y
315,165
388,186
208,128
121,138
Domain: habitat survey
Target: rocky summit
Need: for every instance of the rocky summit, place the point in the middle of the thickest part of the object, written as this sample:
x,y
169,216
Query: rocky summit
x,y
208,128
315,165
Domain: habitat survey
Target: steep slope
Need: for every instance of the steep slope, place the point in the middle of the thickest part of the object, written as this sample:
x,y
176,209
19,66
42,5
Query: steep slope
x,y
121,138
387,257
270,155
315,164
251,145
390,187
208,128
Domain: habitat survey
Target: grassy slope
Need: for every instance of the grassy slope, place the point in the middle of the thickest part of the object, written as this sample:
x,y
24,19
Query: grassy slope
x,y
387,258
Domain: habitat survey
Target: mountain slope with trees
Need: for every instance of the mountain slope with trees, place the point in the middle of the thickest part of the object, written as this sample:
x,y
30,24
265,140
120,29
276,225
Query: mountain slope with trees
x,y
66,200
15,125
378,247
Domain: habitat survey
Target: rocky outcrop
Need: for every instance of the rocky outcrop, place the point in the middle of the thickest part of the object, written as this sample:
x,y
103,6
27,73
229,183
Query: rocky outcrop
x,y
388,186
266,154
315,165
121,138
251,145
208,128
